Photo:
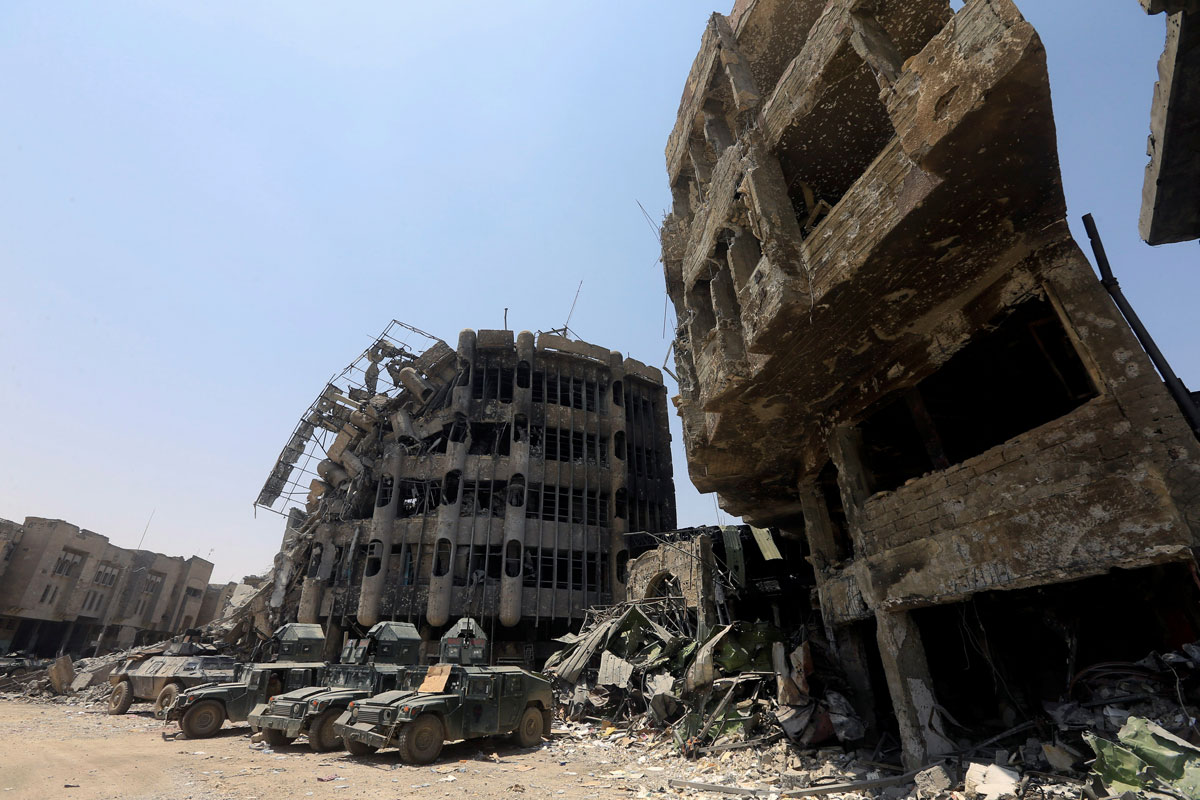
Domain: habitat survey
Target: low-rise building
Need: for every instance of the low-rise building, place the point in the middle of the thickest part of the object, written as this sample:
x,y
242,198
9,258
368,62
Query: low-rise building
x,y
64,589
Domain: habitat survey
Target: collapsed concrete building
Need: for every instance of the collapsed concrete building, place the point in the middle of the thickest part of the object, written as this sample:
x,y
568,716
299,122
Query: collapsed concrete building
x,y
890,348
497,481
1171,192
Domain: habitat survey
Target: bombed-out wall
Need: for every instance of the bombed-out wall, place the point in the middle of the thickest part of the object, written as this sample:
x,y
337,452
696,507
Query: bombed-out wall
x,y
890,347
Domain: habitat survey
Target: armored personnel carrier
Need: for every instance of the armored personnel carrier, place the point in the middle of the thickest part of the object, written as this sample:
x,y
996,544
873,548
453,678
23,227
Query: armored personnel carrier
x,y
459,698
299,661
386,659
161,673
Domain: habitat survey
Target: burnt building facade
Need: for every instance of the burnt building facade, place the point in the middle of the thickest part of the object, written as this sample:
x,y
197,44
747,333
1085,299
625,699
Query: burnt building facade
x,y
494,480
891,349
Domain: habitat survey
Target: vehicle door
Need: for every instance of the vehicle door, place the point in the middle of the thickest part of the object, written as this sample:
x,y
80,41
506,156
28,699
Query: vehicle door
x,y
512,701
481,707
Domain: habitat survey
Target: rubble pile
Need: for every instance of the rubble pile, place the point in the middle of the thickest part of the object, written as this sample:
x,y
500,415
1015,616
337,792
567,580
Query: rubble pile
x,y
640,666
1163,688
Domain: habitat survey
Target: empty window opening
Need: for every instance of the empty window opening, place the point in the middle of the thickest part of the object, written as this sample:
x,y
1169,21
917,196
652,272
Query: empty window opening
x,y
619,445
418,498
1021,374
621,503
520,428
978,650
483,499
383,495
523,373
489,438
558,444
516,491
512,559
699,304
831,495
820,154
458,429
492,381
450,487
562,504
441,558
374,558
618,392
464,372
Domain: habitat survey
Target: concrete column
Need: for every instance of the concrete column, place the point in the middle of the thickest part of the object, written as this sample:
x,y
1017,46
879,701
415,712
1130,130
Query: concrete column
x,y
312,590
618,478
818,527
512,577
333,640
379,547
854,479
911,688
437,611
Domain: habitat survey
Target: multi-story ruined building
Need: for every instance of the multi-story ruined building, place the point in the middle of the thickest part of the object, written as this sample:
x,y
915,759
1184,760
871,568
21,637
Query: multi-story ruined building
x,y
496,481
1171,192
890,346
64,589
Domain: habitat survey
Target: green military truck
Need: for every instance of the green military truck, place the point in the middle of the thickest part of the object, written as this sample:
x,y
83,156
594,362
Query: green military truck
x,y
299,661
386,659
458,698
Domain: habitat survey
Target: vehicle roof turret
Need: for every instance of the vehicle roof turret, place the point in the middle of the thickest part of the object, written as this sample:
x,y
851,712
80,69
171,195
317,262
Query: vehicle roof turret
x,y
465,643
300,642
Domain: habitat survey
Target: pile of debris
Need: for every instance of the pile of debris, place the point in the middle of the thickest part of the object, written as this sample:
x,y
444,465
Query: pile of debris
x,y
640,665
1162,688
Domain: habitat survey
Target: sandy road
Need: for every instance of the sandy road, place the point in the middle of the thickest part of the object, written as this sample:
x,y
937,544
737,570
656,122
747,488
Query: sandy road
x,y
52,751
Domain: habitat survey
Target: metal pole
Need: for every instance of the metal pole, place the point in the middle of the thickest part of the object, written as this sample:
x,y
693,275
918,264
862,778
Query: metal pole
x,y
1175,386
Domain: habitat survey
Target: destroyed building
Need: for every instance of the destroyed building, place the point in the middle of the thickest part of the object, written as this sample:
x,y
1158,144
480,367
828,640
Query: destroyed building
x,y
64,589
890,348
1171,192
494,481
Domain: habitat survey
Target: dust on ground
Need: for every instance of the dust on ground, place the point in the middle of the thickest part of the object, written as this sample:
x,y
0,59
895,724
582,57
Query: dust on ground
x,y
50,751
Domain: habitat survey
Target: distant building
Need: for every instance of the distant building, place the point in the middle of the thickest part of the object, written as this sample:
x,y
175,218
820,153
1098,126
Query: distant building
x,y
495,481
68,590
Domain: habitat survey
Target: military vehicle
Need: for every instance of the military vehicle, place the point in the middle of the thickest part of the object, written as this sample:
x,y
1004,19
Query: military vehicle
x,y
459,698
160,673
299,661
386,659
15,665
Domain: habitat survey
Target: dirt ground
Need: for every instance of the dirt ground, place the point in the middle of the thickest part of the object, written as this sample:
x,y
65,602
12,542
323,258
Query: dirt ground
x,y
54,751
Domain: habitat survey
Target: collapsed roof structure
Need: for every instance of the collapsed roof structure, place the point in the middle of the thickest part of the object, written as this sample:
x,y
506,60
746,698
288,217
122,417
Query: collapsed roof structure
x,y
890,348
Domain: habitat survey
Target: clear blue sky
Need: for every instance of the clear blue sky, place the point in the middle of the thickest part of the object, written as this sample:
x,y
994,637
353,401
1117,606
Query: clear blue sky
x,y
208,208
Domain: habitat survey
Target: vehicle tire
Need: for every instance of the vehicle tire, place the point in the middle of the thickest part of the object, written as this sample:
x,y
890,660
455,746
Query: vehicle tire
x,y
203,719
321,736
420,741
356,748
121,698
166,697
276,738
530,728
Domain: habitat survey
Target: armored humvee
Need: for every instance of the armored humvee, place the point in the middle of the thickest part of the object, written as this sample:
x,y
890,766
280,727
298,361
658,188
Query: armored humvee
x,y
161,673
387,659
299,662
458,698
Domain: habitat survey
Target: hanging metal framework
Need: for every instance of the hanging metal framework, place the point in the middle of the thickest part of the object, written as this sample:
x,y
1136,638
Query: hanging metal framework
x,y
288,484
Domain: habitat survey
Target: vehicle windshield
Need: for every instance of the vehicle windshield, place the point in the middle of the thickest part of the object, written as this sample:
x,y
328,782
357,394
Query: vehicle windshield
x,y
350,677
